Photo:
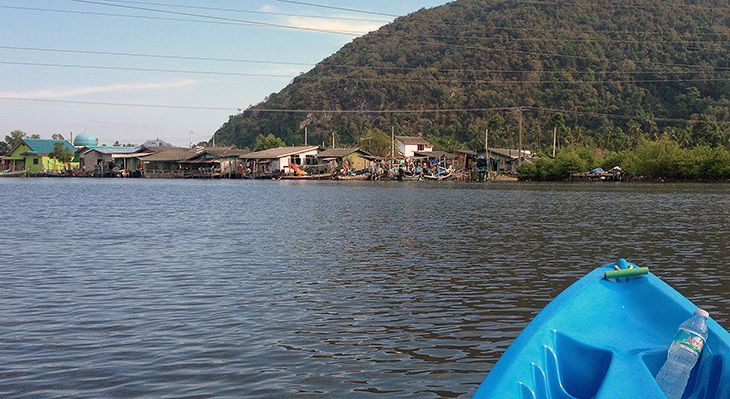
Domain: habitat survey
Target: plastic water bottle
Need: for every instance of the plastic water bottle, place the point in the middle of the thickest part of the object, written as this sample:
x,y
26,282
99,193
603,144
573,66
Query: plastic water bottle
x,y
683,354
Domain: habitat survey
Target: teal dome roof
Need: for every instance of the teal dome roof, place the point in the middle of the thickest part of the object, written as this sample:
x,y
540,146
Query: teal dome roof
x,y
85,139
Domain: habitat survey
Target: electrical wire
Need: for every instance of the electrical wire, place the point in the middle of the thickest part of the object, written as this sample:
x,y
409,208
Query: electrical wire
x,y
215,18
281,14
337,8
693,68
115,68
363,112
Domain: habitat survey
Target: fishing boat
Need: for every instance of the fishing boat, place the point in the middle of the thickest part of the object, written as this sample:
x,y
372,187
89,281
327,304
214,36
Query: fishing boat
x,y
443,174
606,337
323,176
50,173
11,173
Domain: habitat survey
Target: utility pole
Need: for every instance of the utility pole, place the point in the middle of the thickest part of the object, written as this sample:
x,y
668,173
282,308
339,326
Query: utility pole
x,y
489,157
305,135
519,162
191,139
555,137
392,141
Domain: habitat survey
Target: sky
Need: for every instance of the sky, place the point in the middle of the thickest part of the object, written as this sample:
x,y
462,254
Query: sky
x,y
128,71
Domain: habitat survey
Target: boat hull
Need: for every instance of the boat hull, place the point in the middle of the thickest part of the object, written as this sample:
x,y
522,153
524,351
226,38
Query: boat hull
x,y
606,339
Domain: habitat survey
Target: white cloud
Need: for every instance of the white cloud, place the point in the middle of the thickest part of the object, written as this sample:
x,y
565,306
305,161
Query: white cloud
x,y
356,27
59,92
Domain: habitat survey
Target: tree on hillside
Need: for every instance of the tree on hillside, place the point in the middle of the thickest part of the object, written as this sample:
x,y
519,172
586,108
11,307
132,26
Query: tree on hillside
x,y
376,142
270,141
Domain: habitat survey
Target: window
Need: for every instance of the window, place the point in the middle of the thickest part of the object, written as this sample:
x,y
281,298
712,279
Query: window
x,y
294,159
309,160
35,161
421,147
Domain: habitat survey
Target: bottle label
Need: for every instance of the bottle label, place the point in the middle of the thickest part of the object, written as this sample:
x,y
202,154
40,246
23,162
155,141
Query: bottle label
x,y
690,340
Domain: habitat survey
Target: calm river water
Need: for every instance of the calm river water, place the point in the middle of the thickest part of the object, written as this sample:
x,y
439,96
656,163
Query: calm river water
x,y
260,289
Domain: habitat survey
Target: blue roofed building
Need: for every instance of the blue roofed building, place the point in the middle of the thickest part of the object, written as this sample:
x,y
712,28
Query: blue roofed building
x,y
85,140
32,156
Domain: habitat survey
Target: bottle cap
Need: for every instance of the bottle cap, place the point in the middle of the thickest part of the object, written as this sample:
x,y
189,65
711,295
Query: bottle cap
x,y
702,313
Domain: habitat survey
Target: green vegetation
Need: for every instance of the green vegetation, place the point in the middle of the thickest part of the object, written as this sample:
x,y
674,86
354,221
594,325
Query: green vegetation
x,y
61,153
270,141
656,160
11,140
602,75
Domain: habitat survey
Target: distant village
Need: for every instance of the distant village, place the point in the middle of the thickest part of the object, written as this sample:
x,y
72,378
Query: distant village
x,y
415,160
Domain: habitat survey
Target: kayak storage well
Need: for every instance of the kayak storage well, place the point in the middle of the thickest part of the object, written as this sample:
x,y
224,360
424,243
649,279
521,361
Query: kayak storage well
x,y
607,338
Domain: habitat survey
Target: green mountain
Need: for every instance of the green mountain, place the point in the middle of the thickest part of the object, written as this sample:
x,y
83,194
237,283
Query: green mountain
x,y
603,74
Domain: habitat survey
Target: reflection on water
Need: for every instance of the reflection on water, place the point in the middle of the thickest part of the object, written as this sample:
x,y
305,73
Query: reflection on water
x,y
317,289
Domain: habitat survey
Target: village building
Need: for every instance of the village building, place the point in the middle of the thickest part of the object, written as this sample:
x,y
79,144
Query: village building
x,y
465,160
167,163
31,155
409,145
349,159
215,162
277,160
107,160
501,160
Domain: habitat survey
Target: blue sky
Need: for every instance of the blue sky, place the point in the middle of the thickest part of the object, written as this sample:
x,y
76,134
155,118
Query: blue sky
x,y
134,70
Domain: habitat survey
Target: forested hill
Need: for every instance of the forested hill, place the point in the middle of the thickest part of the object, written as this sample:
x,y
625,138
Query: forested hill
x,y
603,73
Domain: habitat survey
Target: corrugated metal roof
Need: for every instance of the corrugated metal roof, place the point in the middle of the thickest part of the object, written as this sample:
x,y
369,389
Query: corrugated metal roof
x,y
171,155
510,153
278,152
231,151
45,146
338,152
113,150
435,154
412,140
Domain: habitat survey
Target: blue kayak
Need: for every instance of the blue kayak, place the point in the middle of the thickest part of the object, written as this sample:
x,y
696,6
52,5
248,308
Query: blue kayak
x,y
606,338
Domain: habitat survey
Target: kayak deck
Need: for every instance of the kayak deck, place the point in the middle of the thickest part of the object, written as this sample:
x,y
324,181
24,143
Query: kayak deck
x,y
607,339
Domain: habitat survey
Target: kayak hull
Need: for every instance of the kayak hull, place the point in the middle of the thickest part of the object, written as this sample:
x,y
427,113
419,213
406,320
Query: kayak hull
x,y
606,339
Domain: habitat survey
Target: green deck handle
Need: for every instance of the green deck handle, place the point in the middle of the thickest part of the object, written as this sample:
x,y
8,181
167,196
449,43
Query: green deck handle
x,y
637,271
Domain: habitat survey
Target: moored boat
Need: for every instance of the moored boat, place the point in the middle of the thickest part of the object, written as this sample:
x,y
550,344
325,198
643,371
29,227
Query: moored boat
x,y
323,176
11,173
443,175
606,337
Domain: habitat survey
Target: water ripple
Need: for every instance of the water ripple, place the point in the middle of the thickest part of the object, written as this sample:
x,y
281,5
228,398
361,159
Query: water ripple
x,y
201,289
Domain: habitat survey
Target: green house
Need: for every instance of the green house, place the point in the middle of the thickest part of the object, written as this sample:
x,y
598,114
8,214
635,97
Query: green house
x,y
31,155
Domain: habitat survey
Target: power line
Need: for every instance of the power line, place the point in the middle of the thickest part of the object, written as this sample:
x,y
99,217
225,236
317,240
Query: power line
x,y
695,69
157,18
337,8
114,68
215,18
374,79
250,11
181,107
210,19
336,111
622,5
162,56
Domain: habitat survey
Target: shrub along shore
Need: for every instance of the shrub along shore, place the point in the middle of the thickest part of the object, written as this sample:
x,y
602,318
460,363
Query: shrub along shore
x,y
663,159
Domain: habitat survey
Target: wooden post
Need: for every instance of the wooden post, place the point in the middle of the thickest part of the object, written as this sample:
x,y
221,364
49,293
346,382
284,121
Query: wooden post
x,y
519,162
392,141
305,135
555,135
